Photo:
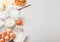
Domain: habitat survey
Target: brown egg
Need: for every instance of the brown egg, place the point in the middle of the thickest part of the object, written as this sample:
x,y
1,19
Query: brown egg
x,y
9,31
7,38
4,33
19,22
0,36
3,36
12,35
1,40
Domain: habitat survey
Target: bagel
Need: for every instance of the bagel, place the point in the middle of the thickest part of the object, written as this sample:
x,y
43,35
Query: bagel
x,y
20,2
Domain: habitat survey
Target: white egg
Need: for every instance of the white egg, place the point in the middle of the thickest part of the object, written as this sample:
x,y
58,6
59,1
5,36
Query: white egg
x,y
1,23
14,14
4,15
10,22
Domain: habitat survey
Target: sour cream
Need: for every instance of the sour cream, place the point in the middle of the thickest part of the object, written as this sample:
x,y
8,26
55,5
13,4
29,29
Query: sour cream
x,y
10,22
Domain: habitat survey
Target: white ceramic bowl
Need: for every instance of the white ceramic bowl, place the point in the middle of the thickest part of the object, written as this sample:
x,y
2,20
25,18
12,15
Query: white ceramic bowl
x,y
4,15
14,14
9,22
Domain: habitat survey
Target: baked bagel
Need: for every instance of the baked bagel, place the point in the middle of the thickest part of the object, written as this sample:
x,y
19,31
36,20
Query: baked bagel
x,y
20,2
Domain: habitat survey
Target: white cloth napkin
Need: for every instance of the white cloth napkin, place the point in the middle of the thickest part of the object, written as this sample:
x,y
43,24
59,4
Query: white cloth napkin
x,y
20,37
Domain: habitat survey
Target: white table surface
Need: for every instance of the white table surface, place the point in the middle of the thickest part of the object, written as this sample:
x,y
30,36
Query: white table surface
x,y
42,21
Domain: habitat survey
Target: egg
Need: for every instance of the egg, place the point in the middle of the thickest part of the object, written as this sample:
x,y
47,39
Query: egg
x,y
12,35
9,31
4,33
19,22
0,36
7,38
1,40
3,36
